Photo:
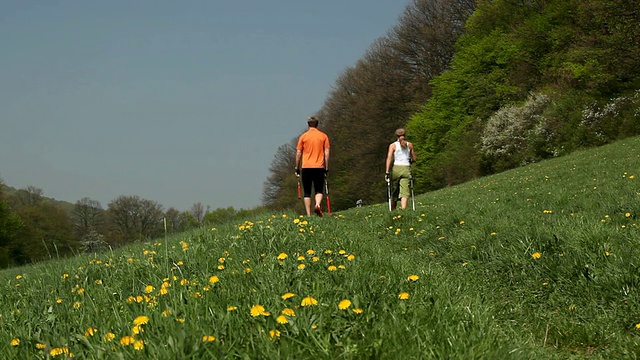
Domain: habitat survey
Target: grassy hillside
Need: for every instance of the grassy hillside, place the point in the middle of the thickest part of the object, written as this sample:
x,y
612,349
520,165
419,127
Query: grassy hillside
x,y
540,261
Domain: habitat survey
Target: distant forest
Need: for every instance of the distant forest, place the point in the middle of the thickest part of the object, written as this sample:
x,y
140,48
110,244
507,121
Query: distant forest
x,y
481,87
35,228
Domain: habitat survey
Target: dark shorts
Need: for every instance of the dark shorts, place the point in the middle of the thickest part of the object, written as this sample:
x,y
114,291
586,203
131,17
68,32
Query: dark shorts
x,y
315,177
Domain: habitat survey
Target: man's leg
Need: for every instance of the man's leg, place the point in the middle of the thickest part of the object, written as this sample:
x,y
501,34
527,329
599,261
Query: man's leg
x,y
318,186
307,183
307,205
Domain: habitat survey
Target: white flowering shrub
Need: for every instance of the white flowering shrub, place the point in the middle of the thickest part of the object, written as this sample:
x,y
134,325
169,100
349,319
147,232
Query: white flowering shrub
x,y
510,134
620,117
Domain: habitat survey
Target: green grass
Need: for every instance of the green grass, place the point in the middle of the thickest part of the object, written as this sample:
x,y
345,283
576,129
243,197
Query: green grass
x,y
537,262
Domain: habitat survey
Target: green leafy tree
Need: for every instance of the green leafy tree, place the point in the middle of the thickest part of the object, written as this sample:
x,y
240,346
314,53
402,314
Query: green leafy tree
x,y
10,226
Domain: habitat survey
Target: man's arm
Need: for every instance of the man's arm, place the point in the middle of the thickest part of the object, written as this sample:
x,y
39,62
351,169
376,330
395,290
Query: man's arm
x,y
298,158
326,159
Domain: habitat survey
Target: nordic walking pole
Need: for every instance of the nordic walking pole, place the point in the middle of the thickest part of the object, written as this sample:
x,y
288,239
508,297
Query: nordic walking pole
x,y
413,198
299,190
389,192
326,191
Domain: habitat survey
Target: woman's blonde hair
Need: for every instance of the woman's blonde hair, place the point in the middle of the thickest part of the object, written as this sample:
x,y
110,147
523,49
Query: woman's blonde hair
x,y
402,132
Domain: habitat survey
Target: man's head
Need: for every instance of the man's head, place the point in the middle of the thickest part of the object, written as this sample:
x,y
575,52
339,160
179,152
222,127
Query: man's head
x,y
313,121
400,132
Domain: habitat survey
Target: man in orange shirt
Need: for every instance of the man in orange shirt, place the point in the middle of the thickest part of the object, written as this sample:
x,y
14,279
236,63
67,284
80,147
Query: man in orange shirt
x,y
312,152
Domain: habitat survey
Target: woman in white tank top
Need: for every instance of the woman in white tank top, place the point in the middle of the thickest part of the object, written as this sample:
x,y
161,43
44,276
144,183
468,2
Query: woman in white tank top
x,y
400,155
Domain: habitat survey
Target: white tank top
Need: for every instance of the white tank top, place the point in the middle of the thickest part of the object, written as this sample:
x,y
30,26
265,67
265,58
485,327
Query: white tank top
x,y
401,156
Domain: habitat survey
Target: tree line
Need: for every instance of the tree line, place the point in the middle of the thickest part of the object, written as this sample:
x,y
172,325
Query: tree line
x,y
481,87
35,228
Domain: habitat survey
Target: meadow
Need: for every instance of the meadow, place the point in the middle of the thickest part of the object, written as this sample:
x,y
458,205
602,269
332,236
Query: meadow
x,y
536,262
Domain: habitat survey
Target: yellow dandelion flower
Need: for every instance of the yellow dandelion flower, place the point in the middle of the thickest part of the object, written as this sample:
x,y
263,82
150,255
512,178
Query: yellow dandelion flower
x,y
257,310
274,334
163,291
77,305
166,313
232,308
60,351
127,340
41,346
309,301
141,320
108,337
138,345
344,304
136,329
282,256
149,289
288,295
282,319
627,214
403,296
314,326
90,331
310,252
301,266
638,326
247,270
332,268
208,338
180,320
357,311
413,278
536,255
351,257
213,279
315,258
288,312
221,267
64,276
15,342
59,301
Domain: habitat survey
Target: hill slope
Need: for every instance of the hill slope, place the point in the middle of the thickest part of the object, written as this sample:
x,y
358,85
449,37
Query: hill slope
x,y
539,261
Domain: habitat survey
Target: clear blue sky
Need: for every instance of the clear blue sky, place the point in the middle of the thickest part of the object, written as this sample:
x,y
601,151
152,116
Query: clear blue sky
x,y
174,101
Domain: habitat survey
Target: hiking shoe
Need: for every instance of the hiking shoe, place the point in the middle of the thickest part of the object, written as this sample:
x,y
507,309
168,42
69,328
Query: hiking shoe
x,y
318,210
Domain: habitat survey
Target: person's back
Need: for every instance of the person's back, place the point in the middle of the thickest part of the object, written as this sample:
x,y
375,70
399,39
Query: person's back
x,y
312,143
312,156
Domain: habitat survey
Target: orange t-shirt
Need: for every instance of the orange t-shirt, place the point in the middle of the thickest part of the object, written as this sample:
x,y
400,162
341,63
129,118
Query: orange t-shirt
x,y
312,144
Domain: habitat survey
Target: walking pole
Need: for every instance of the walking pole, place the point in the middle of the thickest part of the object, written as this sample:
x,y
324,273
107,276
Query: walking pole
x,y
326,191
389,192
413,198
299,191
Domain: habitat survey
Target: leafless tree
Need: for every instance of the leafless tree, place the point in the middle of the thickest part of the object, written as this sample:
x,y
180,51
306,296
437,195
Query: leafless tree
x,y
134,218
279,190
30,196
87,215
197,211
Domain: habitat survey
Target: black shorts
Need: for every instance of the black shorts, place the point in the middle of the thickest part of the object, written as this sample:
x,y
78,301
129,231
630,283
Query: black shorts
x,y
315,177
